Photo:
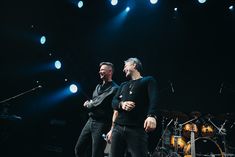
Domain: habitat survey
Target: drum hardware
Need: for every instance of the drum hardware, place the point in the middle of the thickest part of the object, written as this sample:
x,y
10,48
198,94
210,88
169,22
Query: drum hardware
x,y
205,147
222,132
207,130
192,128
161,151
188,126
177,141
175,137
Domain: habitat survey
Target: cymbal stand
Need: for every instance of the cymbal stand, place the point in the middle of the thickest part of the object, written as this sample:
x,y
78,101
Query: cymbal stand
x,y
222,132
188,121
176,135
163,134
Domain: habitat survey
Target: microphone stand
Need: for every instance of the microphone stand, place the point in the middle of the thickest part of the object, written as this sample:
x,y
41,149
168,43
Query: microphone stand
x,y
5,110
18,95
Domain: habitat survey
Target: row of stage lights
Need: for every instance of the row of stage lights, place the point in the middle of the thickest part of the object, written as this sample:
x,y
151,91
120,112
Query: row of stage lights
x,y
80,4
57,64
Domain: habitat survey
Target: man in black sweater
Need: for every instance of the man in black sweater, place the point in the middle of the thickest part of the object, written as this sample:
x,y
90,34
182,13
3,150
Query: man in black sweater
x,y
136,103
100,114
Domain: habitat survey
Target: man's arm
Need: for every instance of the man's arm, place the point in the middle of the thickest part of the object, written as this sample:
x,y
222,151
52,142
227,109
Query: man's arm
x,y
109,134
150,123
116,99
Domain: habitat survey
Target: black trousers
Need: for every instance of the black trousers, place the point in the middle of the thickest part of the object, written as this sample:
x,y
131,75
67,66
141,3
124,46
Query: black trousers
x,y
133,140
91,137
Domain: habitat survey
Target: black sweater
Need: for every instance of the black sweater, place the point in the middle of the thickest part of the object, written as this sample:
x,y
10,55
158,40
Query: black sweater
x,y
100,108
144,93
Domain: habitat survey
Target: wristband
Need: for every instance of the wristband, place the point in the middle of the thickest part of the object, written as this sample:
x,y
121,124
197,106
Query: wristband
x,y
152,115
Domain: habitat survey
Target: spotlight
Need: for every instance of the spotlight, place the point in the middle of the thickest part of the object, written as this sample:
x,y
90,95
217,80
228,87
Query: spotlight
x,y
80,4
73,88
114,2
57,64
43,40
175,9
127,9
201,1
231,7
153,1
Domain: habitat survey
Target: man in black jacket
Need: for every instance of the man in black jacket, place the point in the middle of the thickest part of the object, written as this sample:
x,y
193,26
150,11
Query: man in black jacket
x,y
136,103
100,114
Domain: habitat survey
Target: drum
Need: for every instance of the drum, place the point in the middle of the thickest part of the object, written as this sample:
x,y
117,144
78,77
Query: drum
x,y
207,130
204,147
179,140
188,128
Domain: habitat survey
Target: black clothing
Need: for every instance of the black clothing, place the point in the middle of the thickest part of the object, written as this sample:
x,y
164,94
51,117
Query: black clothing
x,y
143,92
128,132
100,107
100,113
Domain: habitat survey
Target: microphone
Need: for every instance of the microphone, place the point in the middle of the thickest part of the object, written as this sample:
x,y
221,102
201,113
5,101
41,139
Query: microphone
x,y
104,137
221,87
172,89
232,125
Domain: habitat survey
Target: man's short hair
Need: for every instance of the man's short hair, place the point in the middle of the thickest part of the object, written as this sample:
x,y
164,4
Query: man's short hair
x,y
108,64
137,62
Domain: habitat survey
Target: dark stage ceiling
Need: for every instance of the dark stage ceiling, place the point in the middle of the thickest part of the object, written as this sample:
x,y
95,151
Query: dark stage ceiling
x,y
192,49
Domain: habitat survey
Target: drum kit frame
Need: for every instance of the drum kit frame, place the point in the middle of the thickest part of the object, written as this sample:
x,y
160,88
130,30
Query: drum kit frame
x,y
209,133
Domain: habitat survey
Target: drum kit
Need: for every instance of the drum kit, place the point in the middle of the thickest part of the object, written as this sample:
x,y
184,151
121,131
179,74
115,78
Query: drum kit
x,y
194,135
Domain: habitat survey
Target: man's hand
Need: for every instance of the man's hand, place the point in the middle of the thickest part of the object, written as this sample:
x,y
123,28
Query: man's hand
x,y
150,124
86,103
127,105
109,136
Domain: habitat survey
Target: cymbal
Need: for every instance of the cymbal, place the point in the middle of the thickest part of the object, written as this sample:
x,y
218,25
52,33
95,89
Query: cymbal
x,y
226,116
178,114
165,113
174,114
209,116
195,114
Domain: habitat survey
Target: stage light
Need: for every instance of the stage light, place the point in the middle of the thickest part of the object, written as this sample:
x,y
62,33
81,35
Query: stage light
x,y
127,9
201,1
175,9
80,4
231,7
73,88
57,64
153,1
114,2
43,40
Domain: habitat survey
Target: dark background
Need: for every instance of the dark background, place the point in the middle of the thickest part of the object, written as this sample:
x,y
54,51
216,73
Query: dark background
x,y
191,49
